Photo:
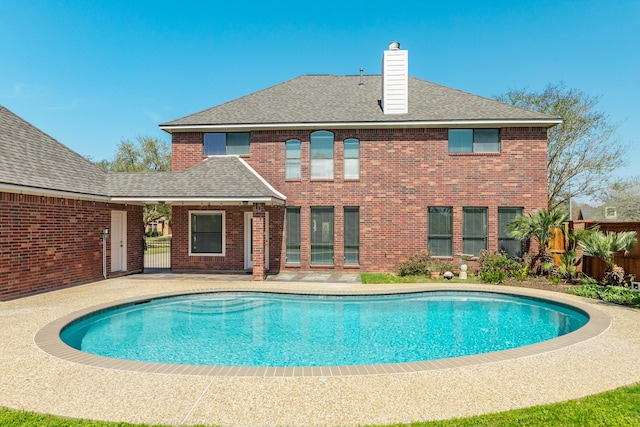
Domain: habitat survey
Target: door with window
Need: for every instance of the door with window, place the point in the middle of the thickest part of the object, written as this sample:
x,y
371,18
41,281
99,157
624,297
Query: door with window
x,y
118,241
248,240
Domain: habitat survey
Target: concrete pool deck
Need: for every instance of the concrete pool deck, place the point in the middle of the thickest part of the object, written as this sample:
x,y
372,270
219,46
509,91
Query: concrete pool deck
x,y
603,358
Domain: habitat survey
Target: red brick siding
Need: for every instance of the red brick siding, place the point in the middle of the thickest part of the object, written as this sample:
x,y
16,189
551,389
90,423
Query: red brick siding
x,y
186,150
402,173
48,243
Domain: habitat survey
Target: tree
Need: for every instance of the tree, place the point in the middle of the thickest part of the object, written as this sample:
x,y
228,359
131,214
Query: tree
x,y
145,154
604,246
583,150
621,202
540,226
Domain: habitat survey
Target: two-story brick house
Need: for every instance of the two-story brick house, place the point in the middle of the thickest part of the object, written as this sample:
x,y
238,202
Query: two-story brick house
x,y
319,172
355,172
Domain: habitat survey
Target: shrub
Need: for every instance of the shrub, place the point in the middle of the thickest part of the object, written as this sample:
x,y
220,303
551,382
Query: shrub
x,y
493,275
419,264
495,267
614,294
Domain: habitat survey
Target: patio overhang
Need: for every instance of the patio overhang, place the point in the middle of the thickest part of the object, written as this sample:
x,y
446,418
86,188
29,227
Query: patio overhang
x,y
200,201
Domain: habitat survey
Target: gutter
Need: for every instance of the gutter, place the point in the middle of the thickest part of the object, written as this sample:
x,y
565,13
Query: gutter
x,y
483,123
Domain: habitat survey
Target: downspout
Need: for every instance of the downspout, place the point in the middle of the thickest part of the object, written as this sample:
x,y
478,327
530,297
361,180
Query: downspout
x,y
105,234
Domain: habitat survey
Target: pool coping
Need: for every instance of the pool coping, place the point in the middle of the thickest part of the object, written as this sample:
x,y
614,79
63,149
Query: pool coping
x,y
48,339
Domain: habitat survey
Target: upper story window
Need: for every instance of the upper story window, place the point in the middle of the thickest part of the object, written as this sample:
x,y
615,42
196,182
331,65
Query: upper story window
x,y
351,158
474,140
322,155
221,143
292,148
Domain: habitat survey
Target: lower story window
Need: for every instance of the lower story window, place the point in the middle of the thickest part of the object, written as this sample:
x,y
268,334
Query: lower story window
x,y
440,231
206,233
351,235
508,244
292,220
474,230
322,236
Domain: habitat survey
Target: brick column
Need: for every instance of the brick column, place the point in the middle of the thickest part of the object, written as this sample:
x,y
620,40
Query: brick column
x,y
258,242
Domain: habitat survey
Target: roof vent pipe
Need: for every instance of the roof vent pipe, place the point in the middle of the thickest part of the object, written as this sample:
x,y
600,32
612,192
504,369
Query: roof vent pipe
x,y
394,46
361,81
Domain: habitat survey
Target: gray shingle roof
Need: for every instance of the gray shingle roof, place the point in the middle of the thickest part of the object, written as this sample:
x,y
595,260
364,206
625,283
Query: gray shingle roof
x,y
225,177
340,99
31,158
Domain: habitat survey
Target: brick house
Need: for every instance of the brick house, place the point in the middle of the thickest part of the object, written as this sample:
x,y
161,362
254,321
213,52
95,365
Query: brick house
x,y
355,173
321,172
54,208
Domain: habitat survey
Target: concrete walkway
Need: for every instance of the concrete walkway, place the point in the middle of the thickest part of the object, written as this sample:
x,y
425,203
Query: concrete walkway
x,y
33,379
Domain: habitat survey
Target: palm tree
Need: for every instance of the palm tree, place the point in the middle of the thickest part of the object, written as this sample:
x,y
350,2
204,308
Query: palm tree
x,y
540,226
604,246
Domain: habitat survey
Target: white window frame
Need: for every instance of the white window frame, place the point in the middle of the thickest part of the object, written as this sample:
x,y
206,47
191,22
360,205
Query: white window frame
x,y
354,161
322,164
224,234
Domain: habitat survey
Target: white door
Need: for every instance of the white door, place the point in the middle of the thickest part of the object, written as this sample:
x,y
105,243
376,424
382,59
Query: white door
x,y
118,241
248,240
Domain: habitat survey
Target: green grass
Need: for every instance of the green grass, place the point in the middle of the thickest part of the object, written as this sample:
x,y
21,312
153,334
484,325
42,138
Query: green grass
x,y
158,245
372,278
620,407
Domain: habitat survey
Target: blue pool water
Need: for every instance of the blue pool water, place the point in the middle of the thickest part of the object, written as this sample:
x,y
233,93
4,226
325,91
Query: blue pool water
x,y
255,329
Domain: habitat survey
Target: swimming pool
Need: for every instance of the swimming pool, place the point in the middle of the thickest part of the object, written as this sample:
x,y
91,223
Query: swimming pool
x,y
285,330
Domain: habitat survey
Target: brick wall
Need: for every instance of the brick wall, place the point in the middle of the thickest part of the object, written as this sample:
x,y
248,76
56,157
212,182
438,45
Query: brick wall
x,y
233,261
402,173
48,243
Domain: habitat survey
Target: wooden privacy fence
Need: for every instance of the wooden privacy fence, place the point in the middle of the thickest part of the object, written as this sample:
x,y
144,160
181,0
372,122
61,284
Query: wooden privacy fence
x,y
594,267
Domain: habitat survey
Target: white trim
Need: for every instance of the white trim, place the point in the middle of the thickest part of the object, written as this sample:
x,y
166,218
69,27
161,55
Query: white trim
x,y
219,201
366,125
264,181
224,237
11,188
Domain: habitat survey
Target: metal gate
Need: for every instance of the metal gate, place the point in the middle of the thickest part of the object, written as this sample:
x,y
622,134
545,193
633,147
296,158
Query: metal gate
x,y
157,254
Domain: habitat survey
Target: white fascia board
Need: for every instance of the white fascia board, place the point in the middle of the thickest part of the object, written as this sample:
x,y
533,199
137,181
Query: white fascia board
x,y
365,125
11,188
198,200
264,181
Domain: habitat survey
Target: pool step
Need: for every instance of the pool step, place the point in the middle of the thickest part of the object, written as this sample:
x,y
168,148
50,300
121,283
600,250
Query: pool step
x,y
226,305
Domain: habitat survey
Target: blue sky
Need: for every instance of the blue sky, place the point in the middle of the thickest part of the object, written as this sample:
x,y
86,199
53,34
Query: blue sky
x,y
90,73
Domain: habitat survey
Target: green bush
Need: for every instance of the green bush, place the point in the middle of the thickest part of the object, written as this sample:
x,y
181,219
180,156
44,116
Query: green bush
x,y
614,294
495,267
419,264
492,275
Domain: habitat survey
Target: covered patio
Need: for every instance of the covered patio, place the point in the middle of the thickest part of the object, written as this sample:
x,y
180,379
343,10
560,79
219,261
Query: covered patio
x,y
221,214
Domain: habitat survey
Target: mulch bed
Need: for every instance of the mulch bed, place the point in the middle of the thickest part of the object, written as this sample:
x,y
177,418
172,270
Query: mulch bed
x,y
538,283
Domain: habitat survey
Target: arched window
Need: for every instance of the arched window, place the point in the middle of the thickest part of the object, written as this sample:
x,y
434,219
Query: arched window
x,y
322,155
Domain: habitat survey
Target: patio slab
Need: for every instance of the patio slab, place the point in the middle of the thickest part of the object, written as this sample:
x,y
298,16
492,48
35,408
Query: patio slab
x,y
34,380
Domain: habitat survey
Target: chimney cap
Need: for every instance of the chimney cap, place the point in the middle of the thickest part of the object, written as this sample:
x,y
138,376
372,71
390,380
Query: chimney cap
x,y
394,46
